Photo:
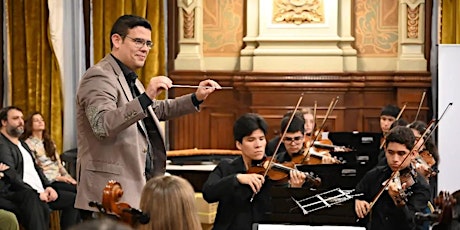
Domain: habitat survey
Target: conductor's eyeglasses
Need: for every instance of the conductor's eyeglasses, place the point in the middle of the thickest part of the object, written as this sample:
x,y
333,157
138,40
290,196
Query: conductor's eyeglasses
x,y
139,42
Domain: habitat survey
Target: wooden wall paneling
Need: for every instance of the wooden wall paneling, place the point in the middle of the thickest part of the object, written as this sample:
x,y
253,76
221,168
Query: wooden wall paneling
x,y
180,132
271,95
372,123
413,97
222,129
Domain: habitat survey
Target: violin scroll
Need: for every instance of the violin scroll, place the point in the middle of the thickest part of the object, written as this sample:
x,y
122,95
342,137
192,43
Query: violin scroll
x,y
111,196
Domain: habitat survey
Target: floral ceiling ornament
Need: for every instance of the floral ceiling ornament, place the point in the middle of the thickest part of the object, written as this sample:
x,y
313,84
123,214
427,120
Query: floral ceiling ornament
x,y
298,11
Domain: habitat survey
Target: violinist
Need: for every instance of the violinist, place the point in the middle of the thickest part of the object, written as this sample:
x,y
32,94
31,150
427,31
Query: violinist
x,y
429,168
390,211
232,187
387,117
294,142
307,115
382,160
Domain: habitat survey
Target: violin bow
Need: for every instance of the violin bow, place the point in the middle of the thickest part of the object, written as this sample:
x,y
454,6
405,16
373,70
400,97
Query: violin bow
x,y
314,120
397,118
281,140
329,111
436,126
420,105
433,124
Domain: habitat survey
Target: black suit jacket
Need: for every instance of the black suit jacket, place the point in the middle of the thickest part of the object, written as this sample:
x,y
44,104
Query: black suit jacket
x,y
11,156
235,211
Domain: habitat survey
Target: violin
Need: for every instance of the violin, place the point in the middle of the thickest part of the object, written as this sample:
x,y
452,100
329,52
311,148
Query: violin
x,y
427,157
123,211
280,171
316,153
426,161
406,176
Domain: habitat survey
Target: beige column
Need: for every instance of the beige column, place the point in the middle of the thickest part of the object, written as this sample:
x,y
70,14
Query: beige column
x,y
252,31
411,36
350,62
190,56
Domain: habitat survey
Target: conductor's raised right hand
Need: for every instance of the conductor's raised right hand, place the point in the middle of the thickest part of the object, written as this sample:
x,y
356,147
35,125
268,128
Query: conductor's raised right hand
x,y
157,85
255,181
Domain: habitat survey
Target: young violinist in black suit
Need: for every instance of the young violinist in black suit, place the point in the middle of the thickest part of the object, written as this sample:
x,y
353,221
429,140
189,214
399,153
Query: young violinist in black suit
x,y
390,210
233,188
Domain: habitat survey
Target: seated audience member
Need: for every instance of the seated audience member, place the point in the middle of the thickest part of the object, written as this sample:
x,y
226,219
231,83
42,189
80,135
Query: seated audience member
x,y
8,220
25,188
101,224
391,210
37,138
169,201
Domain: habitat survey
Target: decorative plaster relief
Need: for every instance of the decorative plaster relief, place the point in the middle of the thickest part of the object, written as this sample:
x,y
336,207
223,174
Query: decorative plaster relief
x,y
298,11
189,24
376,28
412,22
223,23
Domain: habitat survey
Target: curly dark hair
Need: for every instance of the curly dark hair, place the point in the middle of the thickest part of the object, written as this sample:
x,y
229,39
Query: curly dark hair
x,y
50,147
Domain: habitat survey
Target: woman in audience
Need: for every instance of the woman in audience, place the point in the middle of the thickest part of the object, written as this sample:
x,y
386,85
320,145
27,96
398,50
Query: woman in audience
x,y
44,149
169,201
101,224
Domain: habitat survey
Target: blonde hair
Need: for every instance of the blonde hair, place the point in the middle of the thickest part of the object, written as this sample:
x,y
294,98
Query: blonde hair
x,y
170,203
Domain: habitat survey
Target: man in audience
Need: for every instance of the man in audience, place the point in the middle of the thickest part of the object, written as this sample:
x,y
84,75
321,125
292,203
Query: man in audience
x,y
8,220
24,189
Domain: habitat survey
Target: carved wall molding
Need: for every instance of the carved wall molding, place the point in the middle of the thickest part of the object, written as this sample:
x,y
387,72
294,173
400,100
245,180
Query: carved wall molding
x,y
413,22
411,37
298,11
190,56
189,24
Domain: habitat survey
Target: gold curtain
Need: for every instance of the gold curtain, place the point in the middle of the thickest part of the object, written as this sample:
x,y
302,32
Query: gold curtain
x,y
35,81
105,12
450,22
